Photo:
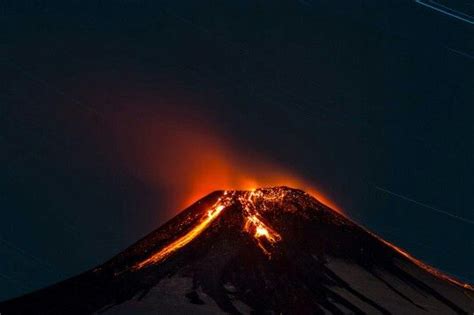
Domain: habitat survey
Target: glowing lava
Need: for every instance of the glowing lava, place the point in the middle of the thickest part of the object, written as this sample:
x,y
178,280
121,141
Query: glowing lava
x,y
210,216
264,235
252,202
424,266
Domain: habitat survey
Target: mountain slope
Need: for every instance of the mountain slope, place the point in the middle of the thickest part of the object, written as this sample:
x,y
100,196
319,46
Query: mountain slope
x,y
275,250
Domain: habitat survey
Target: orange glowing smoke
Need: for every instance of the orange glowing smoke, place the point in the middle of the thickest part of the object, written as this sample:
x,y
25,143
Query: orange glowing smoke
x,y
185,156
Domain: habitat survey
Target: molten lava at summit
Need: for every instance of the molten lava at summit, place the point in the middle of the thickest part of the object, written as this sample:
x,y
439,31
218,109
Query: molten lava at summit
x,y
248,200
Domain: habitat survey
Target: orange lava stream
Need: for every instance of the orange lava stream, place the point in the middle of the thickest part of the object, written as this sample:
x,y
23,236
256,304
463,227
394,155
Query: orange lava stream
x,y
210,216
263,234
424,266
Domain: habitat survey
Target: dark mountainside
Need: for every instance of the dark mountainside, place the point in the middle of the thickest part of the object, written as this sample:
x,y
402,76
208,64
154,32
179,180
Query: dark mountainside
x,y
275,250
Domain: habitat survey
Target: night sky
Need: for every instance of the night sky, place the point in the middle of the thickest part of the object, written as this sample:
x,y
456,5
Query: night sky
x,y
109,111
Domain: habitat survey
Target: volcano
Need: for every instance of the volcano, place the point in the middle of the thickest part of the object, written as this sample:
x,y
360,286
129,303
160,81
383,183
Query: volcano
x,y
272,250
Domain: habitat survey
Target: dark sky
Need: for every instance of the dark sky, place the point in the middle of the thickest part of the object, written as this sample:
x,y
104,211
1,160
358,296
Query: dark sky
x,y
370,101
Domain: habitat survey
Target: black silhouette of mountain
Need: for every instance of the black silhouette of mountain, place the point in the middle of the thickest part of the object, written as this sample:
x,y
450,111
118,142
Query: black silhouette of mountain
x,y
274,250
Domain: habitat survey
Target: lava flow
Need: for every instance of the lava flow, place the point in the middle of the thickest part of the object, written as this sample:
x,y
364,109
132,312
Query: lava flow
x,y
253,200
250,202
210,216
424,266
